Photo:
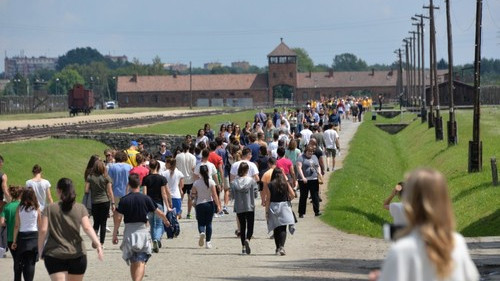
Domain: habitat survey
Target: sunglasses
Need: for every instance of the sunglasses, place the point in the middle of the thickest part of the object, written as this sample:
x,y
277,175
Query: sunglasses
x,y
108,155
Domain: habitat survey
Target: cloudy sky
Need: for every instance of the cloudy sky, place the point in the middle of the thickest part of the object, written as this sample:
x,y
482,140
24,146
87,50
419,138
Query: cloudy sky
x,y
233,30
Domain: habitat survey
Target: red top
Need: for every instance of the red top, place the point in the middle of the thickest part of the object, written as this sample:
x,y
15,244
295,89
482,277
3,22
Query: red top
x,y
215,159
284,164
142,171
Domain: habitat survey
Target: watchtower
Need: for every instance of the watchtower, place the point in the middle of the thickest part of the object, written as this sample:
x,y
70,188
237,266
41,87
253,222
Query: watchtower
x,y
282,74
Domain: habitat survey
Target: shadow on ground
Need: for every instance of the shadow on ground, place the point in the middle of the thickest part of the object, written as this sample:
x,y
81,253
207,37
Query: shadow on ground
x,y
317,269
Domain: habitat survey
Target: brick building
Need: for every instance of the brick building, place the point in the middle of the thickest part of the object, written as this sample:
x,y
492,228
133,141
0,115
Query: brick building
x,y
282,84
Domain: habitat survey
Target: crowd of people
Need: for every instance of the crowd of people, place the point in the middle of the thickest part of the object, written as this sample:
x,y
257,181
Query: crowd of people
x,y
275,157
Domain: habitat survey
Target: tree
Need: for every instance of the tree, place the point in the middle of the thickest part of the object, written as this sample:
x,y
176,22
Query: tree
x,y
349,62
65,80
82,56
442,64
321,68
157,67
304,61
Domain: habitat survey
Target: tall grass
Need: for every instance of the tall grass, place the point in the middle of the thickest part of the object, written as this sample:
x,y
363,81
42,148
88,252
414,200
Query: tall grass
x,y
378,160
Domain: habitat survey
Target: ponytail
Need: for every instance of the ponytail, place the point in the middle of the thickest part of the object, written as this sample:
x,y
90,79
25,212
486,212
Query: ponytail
x,y
204,174
68,195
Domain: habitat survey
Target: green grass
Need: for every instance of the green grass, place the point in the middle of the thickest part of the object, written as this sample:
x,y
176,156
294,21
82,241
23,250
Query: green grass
x,y
63,114
191,125
58,158
377,161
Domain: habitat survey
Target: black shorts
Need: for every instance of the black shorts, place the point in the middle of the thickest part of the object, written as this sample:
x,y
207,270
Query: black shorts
x,y
261,185
75,266
186,189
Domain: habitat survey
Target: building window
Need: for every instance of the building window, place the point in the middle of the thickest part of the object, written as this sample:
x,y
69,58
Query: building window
x,y
273,60
185,98
231,94
291,74
247,94
126,99
141,99
216,94
282,59
291,59
154,98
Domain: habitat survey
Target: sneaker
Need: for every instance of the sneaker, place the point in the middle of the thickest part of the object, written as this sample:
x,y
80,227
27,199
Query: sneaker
x,y
188,216
282,251
243,251
159,244
107,229
301,216
216,215
155,247
221,214
201,241
247,247
224,210
328,169
209,245
272,236
237,233
318,214
291,228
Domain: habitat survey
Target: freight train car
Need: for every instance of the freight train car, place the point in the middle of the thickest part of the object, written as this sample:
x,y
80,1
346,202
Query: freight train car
x,y
80,100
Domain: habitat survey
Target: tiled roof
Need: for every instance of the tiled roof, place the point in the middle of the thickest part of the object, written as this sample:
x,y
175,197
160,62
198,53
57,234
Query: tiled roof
x,y
199,83
282,50
352,79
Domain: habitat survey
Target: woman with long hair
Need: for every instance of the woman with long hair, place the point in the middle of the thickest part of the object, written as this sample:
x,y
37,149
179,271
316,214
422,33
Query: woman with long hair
x,y
40,186
269,130
203,194
64,252
428,248
8,218
209,133
309,171
86,198
201,137
25,240
155,186
175,183
278,195
244,189
101,193
237,133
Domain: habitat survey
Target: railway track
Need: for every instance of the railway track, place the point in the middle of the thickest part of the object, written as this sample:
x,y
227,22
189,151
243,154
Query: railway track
x,y
17,134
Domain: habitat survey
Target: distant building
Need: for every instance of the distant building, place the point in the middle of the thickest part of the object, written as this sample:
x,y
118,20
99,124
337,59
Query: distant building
x,y
282,84
179,67
241,64
118,59
27,66
212,65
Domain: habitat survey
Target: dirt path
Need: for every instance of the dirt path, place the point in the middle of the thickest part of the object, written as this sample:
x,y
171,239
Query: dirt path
x,y
74,120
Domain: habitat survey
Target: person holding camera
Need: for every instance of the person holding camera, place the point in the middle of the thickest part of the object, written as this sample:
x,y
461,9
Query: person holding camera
x,y
396,208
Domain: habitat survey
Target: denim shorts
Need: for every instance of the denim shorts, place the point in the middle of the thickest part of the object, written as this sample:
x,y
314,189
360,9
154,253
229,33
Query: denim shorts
x,y
139,257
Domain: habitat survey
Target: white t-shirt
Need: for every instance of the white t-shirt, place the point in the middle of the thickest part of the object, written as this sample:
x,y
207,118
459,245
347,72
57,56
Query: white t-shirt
x,y
306,135
330,137
252,168
173,182
407,260
212,170
40,187
28,220
186,162
273,147
398,213
202,139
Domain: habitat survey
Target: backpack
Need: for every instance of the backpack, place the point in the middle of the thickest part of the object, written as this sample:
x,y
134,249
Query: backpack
x,y
174,229
228,159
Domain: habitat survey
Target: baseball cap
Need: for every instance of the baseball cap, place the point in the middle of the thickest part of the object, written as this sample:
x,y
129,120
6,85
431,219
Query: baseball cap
x,y
134,143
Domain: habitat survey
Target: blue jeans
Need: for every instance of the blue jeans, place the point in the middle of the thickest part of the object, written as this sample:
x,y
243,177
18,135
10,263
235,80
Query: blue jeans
x,y
156,224
204,215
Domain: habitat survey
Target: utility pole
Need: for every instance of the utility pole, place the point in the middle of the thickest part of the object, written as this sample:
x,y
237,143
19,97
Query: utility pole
x,y
419,81
438,122
423,110
476,146
190,86
452,124
407,68
414,70
400,80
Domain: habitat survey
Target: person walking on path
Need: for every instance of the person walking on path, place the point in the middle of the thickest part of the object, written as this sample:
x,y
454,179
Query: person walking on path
x,y
244,189
64,252
186,162
175,183
278,208
309,170
8,221
131,152
155,186
332,145
100,186
25,240
204,195
429,248
40,186
136,244
119,173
